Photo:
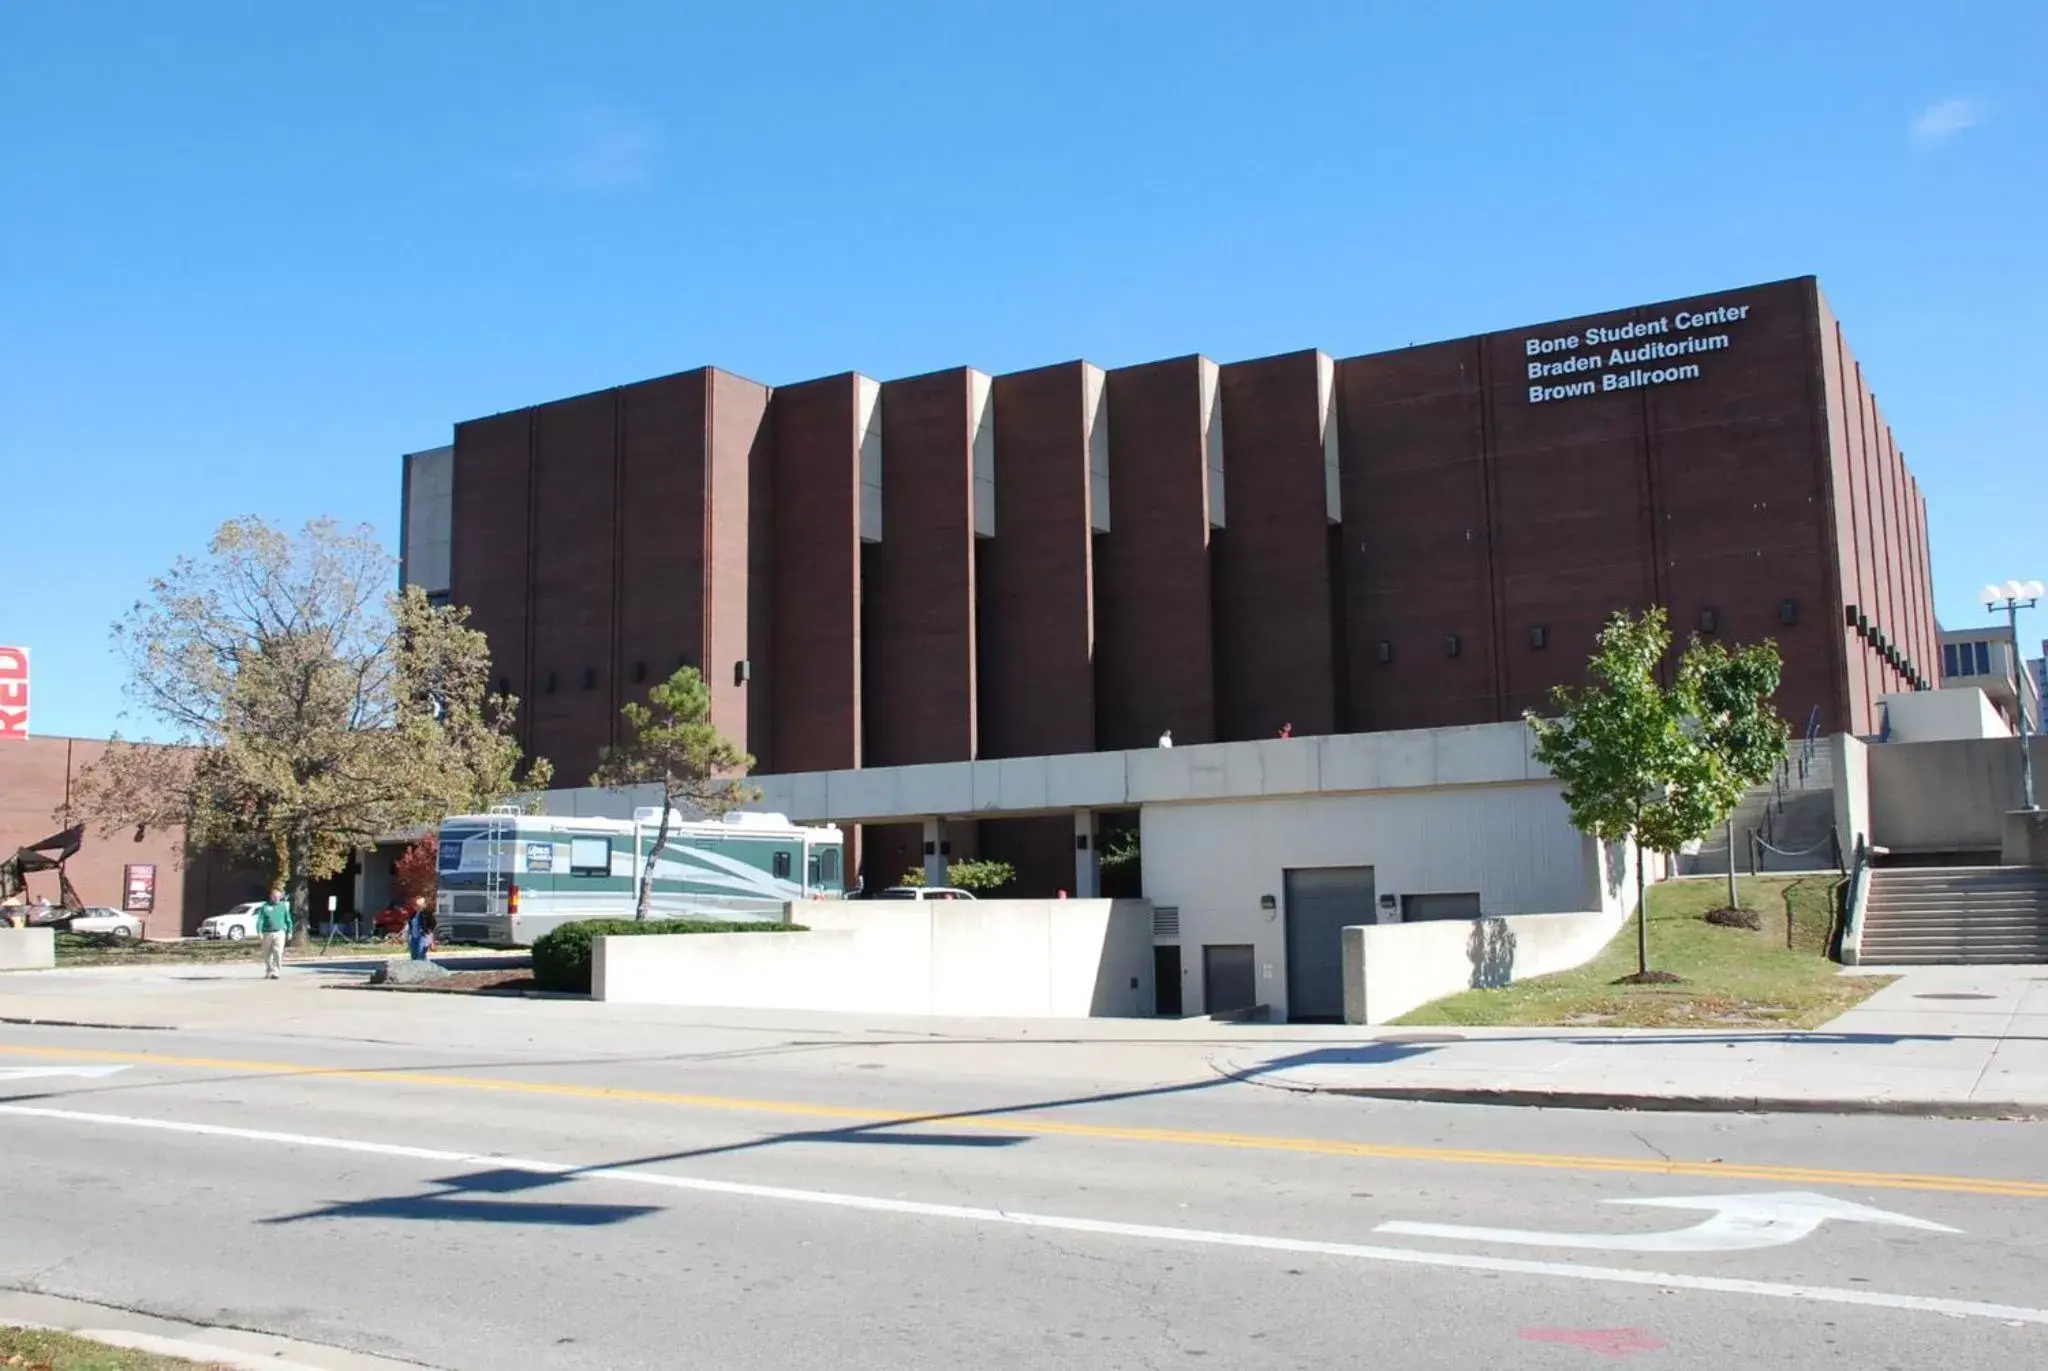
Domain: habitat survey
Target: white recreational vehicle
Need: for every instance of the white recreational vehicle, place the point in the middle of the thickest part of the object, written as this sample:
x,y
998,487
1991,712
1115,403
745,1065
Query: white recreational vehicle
x,y
508,877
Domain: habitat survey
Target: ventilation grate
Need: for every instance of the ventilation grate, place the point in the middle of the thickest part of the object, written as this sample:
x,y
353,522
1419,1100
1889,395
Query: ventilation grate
x,y
1166,921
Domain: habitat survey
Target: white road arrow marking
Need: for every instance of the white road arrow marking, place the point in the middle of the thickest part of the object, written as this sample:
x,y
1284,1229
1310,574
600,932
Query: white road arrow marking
x,y
23,1073
1739,1222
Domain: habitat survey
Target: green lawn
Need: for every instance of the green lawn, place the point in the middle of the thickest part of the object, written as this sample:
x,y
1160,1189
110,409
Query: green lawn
x,y
1732,977
37,1350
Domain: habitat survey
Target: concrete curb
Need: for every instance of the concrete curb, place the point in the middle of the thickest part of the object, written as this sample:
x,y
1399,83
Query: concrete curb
x,y
2005,1110
207,1344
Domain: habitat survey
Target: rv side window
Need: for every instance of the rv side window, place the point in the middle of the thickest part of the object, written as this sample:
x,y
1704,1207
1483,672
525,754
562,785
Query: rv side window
x,y
828,870
782,866
590,856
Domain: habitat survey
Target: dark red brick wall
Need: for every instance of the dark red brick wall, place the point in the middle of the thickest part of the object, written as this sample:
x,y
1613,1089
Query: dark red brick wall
x,y
739,411
1485,515
1271,565
1153,665
1879,534
700,518
816,591
570,610
918,608
1416,555
660,533
1036,614
487,569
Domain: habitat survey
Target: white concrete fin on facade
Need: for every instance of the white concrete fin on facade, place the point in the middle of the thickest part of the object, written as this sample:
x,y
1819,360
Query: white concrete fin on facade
x,y
867,420
1095,422
428,518
1326,409
1212,438
981,418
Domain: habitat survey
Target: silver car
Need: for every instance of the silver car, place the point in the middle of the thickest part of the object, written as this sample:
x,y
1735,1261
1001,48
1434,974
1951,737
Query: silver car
x,y
101,918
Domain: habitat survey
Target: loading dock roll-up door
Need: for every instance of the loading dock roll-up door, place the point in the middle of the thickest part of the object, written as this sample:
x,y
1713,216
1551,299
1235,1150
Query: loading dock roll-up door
x,y
1321,901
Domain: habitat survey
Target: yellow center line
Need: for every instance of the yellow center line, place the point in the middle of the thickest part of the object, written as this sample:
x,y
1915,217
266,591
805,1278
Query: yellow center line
x,y
1026,1124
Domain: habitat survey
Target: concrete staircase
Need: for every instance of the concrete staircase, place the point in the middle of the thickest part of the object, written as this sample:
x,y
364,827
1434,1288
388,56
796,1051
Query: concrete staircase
x,y
1795,814
1955,916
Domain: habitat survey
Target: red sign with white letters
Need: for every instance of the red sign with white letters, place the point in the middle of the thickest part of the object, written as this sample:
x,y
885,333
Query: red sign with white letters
x,y
13,693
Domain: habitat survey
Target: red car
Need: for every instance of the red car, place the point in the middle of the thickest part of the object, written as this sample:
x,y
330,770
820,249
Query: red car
x,y
391,921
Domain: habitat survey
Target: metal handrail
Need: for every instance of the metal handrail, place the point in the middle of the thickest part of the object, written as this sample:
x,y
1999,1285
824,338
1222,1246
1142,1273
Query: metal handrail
x,y
1858,895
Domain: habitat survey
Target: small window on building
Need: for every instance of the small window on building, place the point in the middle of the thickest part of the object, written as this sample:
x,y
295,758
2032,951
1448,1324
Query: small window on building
x,y
1983,658
1950,665
782,866
590,856
1462,904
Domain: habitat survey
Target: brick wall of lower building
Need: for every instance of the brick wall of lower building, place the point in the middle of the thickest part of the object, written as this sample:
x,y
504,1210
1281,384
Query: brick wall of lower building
x,y
37,778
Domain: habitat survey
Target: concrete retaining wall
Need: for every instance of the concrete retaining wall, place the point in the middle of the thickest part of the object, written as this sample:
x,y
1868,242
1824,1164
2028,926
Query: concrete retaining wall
x,y
1390,969
27,949
999,958
1947,796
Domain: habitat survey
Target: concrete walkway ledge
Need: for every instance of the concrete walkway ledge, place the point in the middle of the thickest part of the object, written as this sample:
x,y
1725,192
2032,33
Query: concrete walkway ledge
x,y
2006,1110
208,1345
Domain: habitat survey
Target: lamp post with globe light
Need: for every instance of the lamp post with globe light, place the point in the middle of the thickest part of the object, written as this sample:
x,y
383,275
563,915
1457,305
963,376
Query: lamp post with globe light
x,y
2015,596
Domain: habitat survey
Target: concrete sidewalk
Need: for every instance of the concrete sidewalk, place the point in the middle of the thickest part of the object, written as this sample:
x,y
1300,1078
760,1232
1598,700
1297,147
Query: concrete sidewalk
x,y
1952,1041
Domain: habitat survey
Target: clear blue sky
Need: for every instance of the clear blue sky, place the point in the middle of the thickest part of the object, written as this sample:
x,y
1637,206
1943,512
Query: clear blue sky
x,y
250,253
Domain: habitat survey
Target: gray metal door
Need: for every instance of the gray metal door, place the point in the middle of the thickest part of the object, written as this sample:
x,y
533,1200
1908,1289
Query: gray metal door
x,y
1321,901
1228,982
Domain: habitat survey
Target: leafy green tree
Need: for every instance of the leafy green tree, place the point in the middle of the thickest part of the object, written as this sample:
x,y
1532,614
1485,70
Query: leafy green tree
x,y
1733,723
671,742
1660,767
982,877
309,709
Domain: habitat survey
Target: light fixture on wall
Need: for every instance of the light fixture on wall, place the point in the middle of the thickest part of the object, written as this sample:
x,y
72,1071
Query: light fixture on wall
x,y
1386,651
1709,621
1450,645
1788,612
1268,902
1539,637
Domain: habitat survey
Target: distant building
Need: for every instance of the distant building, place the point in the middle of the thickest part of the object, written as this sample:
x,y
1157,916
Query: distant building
x,y
1983,657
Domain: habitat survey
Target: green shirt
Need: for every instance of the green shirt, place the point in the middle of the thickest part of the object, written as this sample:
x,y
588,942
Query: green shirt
x,y
274,917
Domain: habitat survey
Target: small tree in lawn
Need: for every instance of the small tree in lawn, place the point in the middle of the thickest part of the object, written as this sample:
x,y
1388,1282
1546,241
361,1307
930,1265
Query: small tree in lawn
x,y
671,742
1657,767
1729,695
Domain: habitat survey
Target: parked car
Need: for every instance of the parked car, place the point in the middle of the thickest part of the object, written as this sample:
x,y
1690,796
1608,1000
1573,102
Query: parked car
x,y
237,923
101,918
391,920
923,892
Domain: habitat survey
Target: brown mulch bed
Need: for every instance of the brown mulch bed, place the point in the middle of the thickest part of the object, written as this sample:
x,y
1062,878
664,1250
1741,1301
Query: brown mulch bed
x,y
1728,917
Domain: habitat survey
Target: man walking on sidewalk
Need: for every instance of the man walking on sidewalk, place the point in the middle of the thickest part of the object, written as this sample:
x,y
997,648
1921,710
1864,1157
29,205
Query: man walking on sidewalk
x,y
273,923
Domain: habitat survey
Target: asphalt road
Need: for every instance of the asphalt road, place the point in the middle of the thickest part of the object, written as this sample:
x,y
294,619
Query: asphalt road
x,y
765,1199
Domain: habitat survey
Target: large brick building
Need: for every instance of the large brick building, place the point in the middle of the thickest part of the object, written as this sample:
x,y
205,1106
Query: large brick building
x,y
1070,559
